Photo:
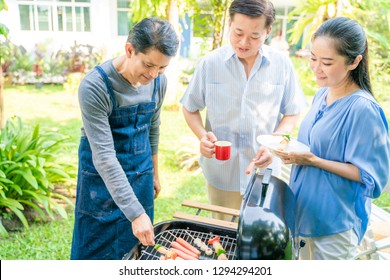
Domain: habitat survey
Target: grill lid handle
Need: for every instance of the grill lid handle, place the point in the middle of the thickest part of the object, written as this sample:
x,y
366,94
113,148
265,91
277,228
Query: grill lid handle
x,y
267,176
265,183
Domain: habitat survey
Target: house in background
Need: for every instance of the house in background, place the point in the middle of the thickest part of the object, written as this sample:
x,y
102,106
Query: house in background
x,y
103,24
60,23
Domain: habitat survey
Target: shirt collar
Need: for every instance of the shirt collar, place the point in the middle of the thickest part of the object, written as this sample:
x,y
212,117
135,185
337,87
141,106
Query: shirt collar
x,y
263,53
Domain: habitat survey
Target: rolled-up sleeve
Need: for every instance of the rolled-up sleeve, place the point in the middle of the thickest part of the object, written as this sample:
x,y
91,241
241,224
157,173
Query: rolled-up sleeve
x,y
369,147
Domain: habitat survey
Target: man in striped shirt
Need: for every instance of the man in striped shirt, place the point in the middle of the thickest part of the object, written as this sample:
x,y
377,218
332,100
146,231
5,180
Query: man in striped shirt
x,y
249,89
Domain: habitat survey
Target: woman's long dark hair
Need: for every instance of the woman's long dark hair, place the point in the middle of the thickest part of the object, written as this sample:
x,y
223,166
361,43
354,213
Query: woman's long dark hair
x,y
350,41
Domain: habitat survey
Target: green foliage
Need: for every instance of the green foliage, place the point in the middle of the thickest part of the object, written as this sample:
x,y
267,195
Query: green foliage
x,y
189,154
28,170
3,33
311,14
15,58
4,30
3,5
305,75
146,8
220,14
373,15
209,17
79,57
73,82
383,201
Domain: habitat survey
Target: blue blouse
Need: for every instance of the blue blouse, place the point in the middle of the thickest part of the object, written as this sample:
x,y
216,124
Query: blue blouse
x,y
352,130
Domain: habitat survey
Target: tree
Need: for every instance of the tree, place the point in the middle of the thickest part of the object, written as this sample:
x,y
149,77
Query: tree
x,y
373,15
3,33
311,14
220,8
171,10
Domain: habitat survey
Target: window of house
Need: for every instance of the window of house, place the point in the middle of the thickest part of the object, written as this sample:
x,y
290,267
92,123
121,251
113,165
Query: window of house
x,y
44,16
27,16
55,15
123,15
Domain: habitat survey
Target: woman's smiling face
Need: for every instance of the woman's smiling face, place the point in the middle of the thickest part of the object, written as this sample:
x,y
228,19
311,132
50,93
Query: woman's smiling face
x,y
328,66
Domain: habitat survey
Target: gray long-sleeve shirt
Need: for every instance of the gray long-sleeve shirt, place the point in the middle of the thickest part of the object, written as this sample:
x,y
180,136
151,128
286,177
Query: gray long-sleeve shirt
x,y
96,106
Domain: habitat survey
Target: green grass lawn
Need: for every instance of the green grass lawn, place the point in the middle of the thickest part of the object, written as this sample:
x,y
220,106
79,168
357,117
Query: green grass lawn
x,y
55,109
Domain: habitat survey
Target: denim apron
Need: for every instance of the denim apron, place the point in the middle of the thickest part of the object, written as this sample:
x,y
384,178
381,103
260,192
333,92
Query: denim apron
x,y
101,230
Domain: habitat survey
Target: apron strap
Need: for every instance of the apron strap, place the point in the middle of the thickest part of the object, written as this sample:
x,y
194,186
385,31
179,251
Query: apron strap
x,y
111,91
156,86
108,85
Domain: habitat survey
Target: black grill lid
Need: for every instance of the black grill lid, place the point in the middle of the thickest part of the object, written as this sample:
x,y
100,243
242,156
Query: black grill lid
x,y
266,222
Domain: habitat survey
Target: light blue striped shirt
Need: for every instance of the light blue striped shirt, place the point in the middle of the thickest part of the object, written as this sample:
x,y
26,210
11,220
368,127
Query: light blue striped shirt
x,y
240,109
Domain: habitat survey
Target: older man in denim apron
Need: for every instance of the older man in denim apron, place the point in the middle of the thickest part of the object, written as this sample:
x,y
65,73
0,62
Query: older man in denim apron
x,y
130,130
120,102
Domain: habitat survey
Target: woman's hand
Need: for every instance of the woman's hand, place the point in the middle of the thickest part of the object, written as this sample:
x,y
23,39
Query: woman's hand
x,y
207,147
297,158
343,169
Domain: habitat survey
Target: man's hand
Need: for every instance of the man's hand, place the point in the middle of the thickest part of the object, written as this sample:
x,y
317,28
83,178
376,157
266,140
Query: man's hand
x,y
207,147
263,157
157,188
143,230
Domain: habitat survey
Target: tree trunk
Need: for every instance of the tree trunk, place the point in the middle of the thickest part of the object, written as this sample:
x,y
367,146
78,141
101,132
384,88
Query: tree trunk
x,y
226,5
173,72
218,13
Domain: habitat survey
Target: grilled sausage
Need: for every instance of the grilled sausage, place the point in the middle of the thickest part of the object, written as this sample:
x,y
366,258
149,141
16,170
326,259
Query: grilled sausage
x,y
187,245
183,255
250,167
180,247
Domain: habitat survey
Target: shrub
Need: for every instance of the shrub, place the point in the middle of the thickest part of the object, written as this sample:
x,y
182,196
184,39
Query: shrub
x,y
29,166
305,75
189,154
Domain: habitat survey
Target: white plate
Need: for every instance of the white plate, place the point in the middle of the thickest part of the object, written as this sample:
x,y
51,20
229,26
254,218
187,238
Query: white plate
x,y
272,142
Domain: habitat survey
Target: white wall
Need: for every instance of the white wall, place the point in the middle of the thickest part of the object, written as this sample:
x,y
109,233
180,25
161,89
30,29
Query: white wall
x,y
103,33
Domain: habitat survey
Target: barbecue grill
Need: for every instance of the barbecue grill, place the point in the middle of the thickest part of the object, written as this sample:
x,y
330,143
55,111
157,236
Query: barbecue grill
x,y
265,226
166,232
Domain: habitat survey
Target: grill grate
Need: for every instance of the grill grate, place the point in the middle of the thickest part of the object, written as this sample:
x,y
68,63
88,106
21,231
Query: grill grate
x,y
167,236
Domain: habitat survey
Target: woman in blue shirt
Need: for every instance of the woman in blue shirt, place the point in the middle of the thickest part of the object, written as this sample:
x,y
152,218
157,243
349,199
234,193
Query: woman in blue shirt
x,y
347,132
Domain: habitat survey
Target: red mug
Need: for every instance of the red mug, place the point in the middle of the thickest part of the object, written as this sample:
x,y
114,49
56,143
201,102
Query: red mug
x,y
222,150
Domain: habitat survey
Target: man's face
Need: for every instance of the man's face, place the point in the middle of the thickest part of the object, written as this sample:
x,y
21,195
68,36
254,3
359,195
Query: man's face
x,y
247,35
144,68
